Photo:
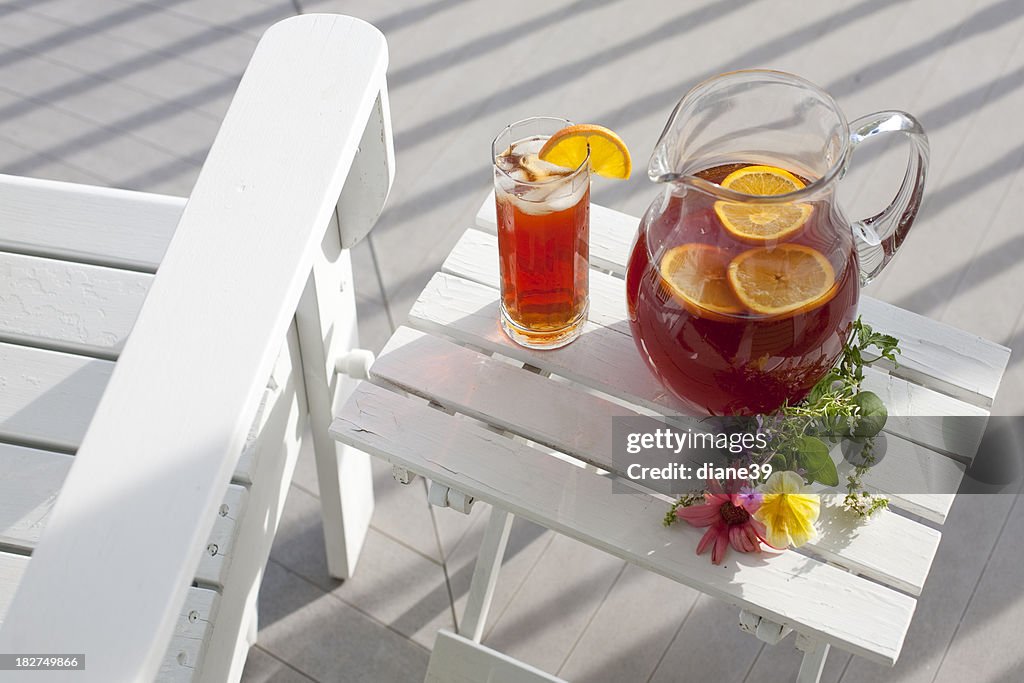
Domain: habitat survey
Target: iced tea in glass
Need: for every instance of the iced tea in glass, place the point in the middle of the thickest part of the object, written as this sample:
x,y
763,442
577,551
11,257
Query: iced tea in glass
x,y
543,216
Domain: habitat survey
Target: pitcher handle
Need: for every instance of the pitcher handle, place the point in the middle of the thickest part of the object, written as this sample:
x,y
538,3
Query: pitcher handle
x,y
879,236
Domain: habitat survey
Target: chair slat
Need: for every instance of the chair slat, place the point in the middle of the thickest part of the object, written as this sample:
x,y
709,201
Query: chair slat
x,y
85,223
69,306
49,397
825,602
30,480
192,631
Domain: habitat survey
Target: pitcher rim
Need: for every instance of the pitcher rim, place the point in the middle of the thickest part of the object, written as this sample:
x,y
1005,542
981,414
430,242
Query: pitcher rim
x,y
813,187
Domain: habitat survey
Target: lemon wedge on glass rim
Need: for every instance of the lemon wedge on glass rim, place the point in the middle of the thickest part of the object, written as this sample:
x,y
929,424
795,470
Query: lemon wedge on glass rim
x,y
609,156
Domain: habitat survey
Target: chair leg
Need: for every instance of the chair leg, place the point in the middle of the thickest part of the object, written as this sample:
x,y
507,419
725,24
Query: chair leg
x,y
485,574
813,662
326,322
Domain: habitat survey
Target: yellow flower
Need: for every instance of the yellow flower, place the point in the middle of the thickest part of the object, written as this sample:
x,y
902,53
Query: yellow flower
x,y
787,510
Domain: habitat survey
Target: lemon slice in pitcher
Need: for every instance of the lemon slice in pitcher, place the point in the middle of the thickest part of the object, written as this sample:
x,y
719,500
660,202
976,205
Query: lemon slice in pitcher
x,y
696,275
609,156
782,280
756,223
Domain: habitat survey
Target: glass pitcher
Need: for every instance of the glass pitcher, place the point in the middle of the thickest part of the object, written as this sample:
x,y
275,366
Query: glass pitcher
x,y
745,274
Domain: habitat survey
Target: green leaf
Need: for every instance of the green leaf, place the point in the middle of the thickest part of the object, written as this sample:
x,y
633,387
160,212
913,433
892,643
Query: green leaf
x,y
871,416
812,454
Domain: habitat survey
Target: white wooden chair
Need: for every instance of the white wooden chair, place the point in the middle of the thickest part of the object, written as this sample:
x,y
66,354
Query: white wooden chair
x,y
145,473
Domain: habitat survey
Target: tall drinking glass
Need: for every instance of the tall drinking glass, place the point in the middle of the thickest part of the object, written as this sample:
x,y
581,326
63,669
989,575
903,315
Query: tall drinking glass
x,y
543,237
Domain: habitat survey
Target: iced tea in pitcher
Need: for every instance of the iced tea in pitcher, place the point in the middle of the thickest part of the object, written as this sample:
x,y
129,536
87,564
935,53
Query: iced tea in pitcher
x,y
741,307
745,274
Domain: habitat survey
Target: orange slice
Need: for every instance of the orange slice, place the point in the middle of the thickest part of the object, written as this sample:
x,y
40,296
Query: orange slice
x,y
781,280
609,156
756,223
696,275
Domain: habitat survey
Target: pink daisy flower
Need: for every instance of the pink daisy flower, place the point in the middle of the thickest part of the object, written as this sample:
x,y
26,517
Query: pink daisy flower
x,y
730,521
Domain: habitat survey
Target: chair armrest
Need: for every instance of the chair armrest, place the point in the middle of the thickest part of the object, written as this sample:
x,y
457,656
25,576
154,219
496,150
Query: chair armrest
x,y
171,425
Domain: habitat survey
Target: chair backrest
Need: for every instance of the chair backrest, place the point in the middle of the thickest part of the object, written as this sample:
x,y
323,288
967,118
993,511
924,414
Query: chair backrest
x,y
165,437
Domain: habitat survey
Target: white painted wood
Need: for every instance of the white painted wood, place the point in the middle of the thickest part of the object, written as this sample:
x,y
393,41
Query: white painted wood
x,y
85,223
191,632
463,380
276,450
813,662
939,355
858,615
607,359
189,380
326,322
485,574
12,568
48,397
891,548
370,177
30,480
963,364
219,550
456,659
68,306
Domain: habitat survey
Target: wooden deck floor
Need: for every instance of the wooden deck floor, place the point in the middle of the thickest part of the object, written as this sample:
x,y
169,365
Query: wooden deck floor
x,y
130,93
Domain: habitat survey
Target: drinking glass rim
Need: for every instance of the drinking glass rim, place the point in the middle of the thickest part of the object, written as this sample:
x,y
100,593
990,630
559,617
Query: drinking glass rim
x,y
833,173
536,183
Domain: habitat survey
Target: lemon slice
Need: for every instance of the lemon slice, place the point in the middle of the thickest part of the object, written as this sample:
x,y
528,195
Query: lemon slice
x,y
696,275
756,223
782,280
609,156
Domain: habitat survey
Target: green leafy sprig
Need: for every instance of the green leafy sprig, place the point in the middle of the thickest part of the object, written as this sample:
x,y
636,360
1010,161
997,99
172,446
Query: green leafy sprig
x,y
801,434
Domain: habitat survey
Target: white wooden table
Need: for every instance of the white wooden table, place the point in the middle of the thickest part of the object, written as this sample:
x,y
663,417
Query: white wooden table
x,y
161,359
453,400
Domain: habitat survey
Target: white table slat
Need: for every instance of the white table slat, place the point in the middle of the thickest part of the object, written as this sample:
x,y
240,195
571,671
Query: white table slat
x,y
68,306
947,424
819,600
966,365
907,470
608,360
891,549
86,223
